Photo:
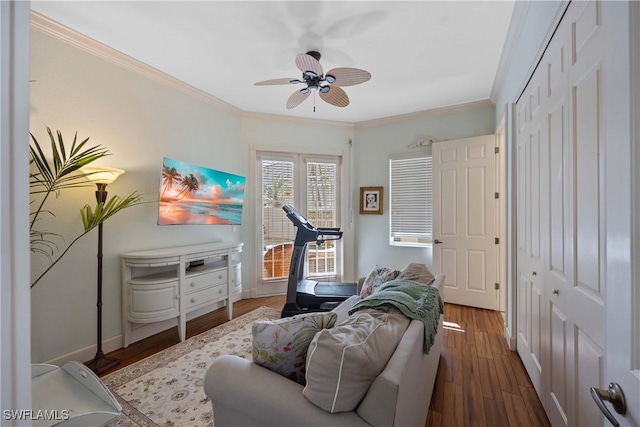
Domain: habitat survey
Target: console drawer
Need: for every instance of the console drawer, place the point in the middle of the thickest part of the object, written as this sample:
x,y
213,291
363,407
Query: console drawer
x,y
204,280
205,296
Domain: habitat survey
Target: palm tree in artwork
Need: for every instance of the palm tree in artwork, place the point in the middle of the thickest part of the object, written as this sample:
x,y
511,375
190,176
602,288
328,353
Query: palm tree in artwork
x,y
170,176
189,184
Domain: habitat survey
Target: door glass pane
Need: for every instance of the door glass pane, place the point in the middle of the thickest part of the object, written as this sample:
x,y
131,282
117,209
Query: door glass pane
x,y
322,212
277,231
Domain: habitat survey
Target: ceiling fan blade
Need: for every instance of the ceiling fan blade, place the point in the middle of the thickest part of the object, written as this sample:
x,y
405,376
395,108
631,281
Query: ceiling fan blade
x,y
345,76
335,96
283,81
297,97
307,62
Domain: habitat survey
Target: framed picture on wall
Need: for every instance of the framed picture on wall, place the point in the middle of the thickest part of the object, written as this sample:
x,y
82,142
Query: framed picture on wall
x,y
371,200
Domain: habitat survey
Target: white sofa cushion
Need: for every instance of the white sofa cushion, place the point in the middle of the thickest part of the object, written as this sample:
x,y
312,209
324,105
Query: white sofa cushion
x,y
416,272
343,361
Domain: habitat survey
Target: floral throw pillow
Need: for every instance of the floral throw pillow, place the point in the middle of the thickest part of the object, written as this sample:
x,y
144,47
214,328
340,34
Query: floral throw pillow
x,y
281,345
375,278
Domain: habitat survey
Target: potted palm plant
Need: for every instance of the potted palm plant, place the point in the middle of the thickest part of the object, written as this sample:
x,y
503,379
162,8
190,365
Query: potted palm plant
x,y
50,176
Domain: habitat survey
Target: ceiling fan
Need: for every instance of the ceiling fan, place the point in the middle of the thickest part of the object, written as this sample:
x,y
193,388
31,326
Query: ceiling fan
x,y
329,85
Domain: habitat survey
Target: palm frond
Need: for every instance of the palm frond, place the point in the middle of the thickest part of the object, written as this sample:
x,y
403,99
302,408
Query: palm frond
x,y
103,211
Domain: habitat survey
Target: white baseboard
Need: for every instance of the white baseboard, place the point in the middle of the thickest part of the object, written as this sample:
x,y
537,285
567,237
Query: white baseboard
x,y
88,353
269,289
144,330
511,339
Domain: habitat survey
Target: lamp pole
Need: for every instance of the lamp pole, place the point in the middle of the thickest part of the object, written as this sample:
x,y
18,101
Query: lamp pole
x,y
102,176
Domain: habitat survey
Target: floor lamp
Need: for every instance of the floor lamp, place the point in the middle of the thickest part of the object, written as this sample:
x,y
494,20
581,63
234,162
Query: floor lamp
x,y
101,176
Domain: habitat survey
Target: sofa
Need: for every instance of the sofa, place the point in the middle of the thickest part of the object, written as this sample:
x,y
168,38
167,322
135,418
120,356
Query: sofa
x,y
244,393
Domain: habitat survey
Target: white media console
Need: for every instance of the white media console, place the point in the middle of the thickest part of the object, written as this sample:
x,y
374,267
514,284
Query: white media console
x,y
169,283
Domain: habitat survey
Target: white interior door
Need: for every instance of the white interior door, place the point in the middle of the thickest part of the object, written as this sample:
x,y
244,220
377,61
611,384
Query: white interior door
x,y
622,213
464,248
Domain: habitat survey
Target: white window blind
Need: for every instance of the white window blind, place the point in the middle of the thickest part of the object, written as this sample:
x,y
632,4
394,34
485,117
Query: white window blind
x,y
411,199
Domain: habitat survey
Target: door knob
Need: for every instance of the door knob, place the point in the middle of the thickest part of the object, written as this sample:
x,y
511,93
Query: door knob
x,y
437,242
613,395
555,291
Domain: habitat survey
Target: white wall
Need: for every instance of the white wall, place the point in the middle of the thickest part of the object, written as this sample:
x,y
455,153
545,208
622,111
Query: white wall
x,y
139,120
374,142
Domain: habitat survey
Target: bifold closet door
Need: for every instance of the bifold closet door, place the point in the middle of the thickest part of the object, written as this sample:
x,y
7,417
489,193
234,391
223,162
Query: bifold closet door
x,y
560,200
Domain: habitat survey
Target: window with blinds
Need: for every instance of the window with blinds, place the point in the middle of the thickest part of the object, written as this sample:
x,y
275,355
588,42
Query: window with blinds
x,y
411,199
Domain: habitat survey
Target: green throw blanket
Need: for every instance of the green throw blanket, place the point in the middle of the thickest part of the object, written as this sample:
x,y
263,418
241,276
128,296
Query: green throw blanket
x,y
415,300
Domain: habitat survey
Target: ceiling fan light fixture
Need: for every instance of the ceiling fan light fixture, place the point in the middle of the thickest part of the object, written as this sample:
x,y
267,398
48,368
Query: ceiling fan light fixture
x,y
309,75
328,85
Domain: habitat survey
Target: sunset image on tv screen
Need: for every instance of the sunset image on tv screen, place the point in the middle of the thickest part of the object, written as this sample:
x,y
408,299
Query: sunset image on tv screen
x,y
192,194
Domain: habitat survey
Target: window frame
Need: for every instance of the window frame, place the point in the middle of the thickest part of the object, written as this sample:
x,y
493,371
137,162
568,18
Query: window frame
x,y
300,160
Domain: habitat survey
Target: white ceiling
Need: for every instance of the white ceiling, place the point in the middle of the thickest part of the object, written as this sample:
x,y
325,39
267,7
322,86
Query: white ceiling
x,y
421,54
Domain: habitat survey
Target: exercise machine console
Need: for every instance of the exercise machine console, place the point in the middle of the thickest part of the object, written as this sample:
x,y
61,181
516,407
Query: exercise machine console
x,y
304,295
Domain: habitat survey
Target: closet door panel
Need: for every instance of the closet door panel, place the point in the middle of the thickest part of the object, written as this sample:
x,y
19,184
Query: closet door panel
x,y
559,366
557,191
589,369
531,344
588,185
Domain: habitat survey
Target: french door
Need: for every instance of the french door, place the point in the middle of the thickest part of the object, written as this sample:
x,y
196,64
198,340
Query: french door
x,y
311,184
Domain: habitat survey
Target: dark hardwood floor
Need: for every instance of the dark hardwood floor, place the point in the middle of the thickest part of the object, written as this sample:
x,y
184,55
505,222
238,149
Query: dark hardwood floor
x,y
479,382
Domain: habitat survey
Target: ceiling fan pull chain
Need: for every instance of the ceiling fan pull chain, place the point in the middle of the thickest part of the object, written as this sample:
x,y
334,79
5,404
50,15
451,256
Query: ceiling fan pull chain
x,y
314,101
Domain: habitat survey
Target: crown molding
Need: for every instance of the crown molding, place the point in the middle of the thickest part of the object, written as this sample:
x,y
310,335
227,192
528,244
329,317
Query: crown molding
x,y
284,118
452,109
67,35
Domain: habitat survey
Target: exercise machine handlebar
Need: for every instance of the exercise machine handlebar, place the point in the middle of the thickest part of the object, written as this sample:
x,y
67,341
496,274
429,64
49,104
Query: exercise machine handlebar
x,y
307,232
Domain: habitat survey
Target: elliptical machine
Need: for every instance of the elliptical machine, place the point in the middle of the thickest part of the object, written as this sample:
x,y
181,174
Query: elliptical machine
x,y
303,295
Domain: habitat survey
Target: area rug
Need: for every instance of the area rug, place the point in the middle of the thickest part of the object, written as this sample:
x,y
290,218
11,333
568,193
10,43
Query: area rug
x,y
166,389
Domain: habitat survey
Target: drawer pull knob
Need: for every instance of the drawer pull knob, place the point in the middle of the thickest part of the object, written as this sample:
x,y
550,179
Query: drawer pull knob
x,y
193,284
193,300
220,276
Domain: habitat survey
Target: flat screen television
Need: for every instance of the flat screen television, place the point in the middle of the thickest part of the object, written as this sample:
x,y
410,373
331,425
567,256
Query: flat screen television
x,y
193,194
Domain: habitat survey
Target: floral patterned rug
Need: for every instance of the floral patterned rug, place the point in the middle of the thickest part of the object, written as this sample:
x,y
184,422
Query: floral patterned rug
x,y
166,389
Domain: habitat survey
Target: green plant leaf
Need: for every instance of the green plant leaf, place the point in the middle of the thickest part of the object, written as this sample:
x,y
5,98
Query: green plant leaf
x,y
103,211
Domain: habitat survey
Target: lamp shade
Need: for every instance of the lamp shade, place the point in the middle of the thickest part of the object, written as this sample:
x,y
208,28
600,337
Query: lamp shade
x,y
101,174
